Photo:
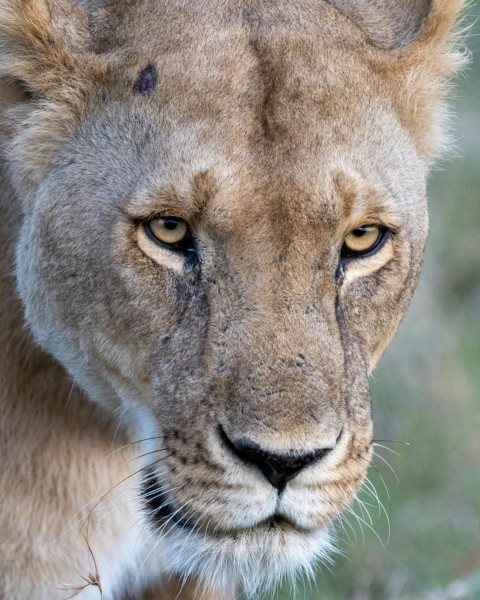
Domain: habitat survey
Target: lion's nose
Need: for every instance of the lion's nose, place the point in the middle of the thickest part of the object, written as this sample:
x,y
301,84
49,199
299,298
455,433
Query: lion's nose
x,y
279,469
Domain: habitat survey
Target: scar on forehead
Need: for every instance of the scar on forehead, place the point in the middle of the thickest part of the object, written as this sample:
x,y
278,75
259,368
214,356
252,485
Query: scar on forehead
x,y
146,81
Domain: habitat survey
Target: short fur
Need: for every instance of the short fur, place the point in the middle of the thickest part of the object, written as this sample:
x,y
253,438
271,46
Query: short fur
x,y
274,128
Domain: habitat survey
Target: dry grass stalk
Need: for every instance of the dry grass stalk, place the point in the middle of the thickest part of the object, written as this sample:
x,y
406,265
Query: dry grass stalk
x,y
92,579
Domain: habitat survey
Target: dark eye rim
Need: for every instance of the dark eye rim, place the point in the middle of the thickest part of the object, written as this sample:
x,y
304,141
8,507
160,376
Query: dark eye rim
x,y
186,245
347,255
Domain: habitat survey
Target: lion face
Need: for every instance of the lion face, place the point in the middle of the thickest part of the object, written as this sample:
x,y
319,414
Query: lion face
x,y
220,249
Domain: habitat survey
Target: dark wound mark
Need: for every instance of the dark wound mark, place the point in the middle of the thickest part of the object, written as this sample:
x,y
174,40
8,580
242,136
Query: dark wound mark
x,y
147,81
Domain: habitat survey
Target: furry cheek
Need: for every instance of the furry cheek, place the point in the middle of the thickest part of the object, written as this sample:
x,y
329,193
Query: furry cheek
x,y
362,267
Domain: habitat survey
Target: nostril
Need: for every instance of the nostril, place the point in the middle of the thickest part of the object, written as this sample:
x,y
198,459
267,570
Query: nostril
x,y
279,469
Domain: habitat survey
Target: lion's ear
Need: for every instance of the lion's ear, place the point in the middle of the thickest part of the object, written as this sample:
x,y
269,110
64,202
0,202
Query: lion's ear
x,y
391,24
416,51
47,67
43,44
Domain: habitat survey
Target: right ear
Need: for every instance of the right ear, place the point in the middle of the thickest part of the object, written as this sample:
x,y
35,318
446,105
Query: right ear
x,y
43,44
46,69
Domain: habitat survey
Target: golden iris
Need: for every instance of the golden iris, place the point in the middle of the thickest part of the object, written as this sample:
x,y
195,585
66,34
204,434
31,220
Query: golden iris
x,y
168,230
362,240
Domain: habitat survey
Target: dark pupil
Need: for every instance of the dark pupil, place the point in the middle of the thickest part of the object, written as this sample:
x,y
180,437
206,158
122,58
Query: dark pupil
x,y
359,232
170,224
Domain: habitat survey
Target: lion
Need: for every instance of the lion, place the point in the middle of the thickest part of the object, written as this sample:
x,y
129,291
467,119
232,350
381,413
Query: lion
x,y
213,220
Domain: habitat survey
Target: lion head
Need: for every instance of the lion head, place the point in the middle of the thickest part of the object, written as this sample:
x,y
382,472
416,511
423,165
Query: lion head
x,y
223,221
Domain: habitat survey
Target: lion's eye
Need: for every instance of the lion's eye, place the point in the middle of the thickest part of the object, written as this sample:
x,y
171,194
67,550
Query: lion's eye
x,y
363,240
171,231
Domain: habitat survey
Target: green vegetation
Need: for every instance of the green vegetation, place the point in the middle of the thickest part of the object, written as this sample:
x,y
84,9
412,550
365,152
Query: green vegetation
x,y
427,394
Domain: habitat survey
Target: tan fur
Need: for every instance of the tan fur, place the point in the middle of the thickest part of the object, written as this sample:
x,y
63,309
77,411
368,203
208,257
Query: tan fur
x,y
274,130
172,590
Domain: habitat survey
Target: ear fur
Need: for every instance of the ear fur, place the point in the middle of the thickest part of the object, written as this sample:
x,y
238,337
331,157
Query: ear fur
x,y
415,46
424,72
393,24
386,23
42,44
44,53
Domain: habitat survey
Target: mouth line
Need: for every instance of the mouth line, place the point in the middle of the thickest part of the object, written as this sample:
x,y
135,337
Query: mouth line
x,y
162,511
279,521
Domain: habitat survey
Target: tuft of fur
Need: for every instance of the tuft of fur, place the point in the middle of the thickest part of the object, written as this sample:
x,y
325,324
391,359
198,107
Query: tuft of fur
x,y
419,47
44,45
246,559
45,49
427,68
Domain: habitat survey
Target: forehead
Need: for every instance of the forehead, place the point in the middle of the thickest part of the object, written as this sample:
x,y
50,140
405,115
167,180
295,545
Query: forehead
x,y
269,101
265,70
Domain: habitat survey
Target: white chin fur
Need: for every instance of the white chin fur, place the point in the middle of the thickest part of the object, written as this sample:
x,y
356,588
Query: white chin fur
x,y
255,560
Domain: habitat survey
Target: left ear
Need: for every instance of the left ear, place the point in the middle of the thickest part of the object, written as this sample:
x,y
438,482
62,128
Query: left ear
x,y
415,49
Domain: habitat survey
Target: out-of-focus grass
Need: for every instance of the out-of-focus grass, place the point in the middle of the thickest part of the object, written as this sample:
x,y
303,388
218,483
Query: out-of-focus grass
x,y
427,393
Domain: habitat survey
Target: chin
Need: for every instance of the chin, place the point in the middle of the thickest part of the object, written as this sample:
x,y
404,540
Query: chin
x,y
256,558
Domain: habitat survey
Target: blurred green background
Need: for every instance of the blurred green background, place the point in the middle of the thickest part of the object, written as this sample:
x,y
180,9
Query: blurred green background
x,y
426,392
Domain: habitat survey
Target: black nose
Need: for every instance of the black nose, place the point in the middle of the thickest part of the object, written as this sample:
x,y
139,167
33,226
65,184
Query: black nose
x,y
279,469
